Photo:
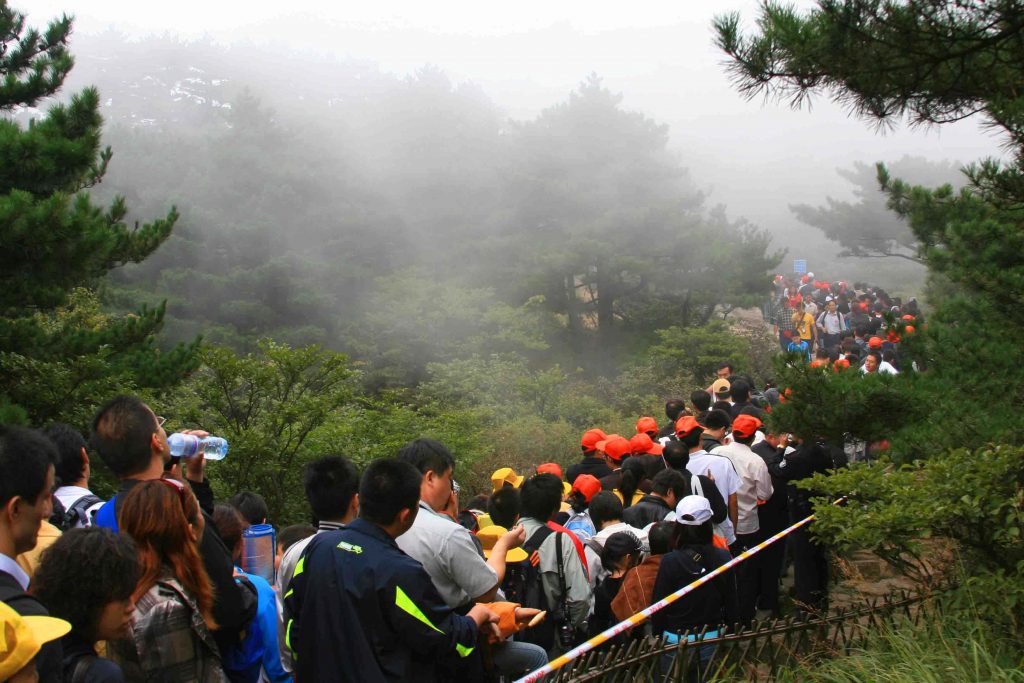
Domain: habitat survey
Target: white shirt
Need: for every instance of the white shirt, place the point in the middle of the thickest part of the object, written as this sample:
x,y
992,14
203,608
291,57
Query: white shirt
x,y
595,568
726,479
447,552
69,495
8,565
756,484
884,368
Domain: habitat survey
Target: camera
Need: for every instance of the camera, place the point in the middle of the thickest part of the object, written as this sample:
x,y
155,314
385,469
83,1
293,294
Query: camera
x,y
566,635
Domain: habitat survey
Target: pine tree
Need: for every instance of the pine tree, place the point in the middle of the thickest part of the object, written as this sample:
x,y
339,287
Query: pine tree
x,y
58,354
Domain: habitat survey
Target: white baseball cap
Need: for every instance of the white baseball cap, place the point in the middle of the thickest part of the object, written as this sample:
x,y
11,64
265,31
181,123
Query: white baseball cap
x,y
693,510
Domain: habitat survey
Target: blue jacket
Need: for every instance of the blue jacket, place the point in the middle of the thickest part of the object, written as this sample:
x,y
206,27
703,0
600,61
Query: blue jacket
x,y
359,609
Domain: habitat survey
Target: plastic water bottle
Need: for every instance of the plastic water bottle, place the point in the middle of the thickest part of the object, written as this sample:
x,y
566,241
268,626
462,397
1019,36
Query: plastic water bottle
x,y
188,445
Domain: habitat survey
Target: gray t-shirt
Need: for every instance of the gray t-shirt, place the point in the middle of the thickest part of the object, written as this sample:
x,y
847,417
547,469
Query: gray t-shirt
x,y
446,550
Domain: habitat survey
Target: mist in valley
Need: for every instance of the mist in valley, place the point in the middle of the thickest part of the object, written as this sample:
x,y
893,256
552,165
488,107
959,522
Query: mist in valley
x,y
414,187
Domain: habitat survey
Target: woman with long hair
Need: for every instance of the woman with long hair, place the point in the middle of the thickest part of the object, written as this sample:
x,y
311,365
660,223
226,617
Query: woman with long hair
x,y
170,637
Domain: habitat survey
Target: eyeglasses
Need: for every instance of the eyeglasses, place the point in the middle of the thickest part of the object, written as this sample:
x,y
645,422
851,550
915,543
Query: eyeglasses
x,y
160,421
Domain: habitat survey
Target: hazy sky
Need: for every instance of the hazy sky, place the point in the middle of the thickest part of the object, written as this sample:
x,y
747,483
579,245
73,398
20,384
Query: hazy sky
x,y
757,157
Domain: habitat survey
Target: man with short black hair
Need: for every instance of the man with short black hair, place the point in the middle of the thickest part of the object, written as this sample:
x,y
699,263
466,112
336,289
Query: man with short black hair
x,y
78,504
740,393
503,507
251,506
331,484
541,497
444,547
716,424
359,609
131,441
26,483
701,402
667,488
674,407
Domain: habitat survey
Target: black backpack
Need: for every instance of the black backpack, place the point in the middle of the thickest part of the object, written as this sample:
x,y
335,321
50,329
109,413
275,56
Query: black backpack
x,y
68,518
523,585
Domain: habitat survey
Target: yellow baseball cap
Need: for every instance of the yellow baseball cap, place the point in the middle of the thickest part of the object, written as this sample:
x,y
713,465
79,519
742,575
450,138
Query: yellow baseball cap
x,y
506,475
22,637
489,536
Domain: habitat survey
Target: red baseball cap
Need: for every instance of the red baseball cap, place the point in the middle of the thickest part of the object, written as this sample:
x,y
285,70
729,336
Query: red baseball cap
x,y
588,485
615,447
644,445
646,424
550,468
744,426
590,439
686,424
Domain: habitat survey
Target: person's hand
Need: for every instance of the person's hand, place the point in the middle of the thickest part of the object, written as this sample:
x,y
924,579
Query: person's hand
x,y
514,537
529,616
195,467
486,620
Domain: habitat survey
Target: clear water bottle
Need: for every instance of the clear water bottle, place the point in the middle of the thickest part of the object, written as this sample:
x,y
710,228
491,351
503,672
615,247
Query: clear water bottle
x,y
188,445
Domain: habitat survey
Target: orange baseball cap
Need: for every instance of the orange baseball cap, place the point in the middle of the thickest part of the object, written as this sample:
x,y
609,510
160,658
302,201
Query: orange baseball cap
x,y
686,424
643,444
875,343
646,424
615,447
744,426
550,468
588,485
590,439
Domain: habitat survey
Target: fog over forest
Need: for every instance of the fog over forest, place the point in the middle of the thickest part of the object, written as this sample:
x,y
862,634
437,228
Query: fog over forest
x,y
754,157
395,182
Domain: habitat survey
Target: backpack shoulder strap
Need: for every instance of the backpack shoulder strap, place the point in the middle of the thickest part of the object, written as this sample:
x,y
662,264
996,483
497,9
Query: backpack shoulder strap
x,y
594,545
82,664
695,486
79,510
537,539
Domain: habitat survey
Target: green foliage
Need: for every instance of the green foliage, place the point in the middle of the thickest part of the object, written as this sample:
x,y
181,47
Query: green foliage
x,y
868,227
959,645
33,64
267,405
696,352
824,404
59,355
975,497
932,62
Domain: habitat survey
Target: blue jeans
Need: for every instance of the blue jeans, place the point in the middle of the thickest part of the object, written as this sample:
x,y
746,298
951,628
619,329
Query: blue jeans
x,y
705,653
514,658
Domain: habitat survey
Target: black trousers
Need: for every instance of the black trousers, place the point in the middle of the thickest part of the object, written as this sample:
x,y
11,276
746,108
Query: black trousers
x,y
810,569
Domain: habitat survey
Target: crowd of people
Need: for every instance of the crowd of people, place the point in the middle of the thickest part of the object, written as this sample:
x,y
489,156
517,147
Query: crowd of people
x,y
399,578
841,325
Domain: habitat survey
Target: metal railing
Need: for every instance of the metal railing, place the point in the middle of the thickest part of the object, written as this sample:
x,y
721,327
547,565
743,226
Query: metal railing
x,y
752,654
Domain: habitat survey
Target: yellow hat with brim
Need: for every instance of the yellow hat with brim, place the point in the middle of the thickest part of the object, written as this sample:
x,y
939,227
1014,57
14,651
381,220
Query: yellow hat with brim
x,y
22,637
489,536
506,475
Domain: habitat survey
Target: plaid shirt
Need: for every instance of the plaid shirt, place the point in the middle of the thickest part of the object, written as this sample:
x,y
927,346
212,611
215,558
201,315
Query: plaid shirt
x,y
783,318
169,641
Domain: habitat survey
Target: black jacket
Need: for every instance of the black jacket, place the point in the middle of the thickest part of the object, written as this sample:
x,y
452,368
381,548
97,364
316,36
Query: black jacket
x,y
648,510
773,515
806,461
593,465
48,661
710,605
359,609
